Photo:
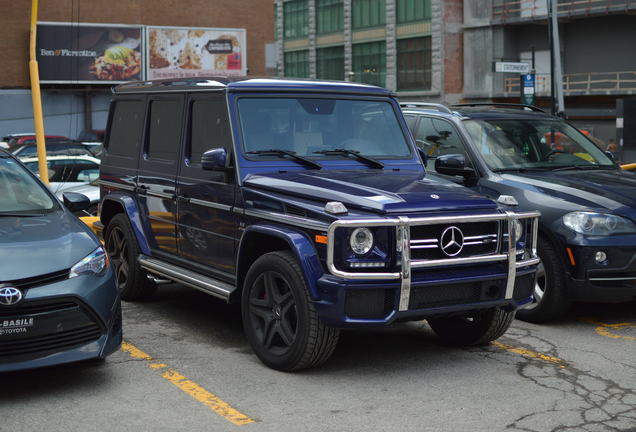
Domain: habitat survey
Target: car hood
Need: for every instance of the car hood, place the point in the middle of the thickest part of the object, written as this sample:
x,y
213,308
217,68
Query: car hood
x,y
36,245
612,190
379,191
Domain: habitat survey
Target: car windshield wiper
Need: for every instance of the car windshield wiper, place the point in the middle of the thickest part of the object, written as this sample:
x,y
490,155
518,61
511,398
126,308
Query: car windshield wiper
x,y
370,161
21,214
519,169
291,154
579,167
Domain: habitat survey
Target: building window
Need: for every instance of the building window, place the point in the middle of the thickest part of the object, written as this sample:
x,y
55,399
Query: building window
x,y
413,10
414,63
368,13
329,16
369,63
330,63
295,19
297,64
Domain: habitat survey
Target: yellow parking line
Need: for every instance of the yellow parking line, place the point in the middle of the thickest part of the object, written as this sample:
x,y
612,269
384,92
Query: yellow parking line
x,y
189,387
530,354
604,329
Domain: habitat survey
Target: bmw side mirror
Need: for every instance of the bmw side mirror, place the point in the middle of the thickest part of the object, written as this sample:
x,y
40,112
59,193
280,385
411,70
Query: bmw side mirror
x,y
75,202
453,165
214,160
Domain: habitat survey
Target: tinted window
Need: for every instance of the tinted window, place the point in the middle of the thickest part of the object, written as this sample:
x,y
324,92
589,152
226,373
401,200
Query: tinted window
x,y
438,137
209,127
165,129
126,127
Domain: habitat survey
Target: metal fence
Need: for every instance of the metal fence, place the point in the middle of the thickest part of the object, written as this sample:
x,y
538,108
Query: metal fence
x,y
506,10
581,83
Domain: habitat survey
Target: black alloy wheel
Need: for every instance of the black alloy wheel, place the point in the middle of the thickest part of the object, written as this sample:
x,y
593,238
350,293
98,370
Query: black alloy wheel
x,y
123,250
279,318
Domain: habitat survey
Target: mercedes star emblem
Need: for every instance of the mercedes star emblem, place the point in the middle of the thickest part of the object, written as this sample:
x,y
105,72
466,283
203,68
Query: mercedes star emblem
x,y
452,241
10,296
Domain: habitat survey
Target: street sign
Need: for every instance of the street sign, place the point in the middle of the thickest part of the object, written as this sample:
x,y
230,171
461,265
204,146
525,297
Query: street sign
x,y
527,88
511,67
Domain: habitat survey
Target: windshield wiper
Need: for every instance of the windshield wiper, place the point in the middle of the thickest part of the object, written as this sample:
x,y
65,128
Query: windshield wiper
x,y
579,167
18,214
519,169
370,161
291,154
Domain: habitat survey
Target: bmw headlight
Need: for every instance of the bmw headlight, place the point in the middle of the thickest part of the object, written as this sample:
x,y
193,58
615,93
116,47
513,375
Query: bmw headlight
x,y
598,224
361,241
94,263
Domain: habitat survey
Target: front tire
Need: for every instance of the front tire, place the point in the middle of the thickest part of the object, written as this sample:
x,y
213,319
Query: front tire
x,y
550,299
279,319
123,251
480,329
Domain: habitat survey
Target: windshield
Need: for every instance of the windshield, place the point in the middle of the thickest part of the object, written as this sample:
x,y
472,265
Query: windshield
x,y
534,144
19,192
309,125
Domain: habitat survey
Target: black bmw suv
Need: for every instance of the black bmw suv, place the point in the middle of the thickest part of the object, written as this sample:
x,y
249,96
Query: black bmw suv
x,y
527,158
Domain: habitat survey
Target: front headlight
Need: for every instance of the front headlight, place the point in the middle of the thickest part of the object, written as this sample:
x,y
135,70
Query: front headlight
x,y
518,230
94,263
598,224
361,241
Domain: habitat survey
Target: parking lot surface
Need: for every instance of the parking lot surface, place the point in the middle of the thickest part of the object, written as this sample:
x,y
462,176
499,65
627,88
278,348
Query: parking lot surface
x,y
187,366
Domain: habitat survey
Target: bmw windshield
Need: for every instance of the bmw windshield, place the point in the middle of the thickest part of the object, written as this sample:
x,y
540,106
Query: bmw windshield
x,y
530,144
20,193
321,129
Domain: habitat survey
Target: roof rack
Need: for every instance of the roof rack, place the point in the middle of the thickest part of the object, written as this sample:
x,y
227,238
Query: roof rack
x,y
437,106
505,105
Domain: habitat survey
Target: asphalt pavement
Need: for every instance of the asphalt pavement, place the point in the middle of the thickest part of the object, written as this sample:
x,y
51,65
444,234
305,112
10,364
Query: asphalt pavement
x,y
186,366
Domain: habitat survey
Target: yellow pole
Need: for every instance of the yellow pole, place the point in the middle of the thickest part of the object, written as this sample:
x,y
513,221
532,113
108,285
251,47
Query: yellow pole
x,y
37,99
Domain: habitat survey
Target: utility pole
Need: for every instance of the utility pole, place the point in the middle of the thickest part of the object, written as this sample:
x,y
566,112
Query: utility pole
x,y
556,71
37,98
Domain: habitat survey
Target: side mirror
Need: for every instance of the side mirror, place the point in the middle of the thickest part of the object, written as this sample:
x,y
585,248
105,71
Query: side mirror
x,y
214,160
610,155
454,165
76,202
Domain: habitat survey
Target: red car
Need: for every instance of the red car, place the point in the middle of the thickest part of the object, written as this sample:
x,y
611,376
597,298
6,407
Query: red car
x,y
29,138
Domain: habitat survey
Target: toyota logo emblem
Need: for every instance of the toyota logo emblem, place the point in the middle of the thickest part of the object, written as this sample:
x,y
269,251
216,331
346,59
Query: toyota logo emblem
x,y
10,296
452,241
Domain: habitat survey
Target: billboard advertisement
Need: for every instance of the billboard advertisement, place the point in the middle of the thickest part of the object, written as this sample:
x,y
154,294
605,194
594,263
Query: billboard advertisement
x,y
89,53
183,52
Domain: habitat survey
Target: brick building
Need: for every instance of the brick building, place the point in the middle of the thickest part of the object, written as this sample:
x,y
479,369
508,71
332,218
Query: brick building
x,y
69,108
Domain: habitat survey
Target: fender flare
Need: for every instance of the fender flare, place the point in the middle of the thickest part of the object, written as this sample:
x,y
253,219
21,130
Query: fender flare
x,y
131,209
301,246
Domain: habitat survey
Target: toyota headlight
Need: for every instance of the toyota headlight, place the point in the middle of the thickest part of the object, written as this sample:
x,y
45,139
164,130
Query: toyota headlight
x,y
94,263
598,224
361,241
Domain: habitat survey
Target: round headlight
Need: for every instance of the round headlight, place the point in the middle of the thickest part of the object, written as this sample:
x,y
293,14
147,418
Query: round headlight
x,y
361,241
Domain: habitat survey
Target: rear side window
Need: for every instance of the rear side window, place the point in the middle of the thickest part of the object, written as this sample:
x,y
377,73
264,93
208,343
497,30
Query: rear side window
x,y
126,128
164,129
209,127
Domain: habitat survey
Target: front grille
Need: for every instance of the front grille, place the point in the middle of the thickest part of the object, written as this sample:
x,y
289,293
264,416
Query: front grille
x,y
36,308
479,238
34,281
50,343
453,294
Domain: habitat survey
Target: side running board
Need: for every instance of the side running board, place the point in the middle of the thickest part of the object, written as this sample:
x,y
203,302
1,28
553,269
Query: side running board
x,y
178,274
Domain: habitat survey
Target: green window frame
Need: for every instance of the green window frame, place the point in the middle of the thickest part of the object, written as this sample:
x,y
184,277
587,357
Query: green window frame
x,y
414,63
413,10
369,63
330,63
297,64
368,13
329,16
295,19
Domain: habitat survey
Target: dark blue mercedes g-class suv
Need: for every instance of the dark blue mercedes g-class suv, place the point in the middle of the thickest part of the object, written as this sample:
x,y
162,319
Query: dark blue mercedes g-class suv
x,y
308,203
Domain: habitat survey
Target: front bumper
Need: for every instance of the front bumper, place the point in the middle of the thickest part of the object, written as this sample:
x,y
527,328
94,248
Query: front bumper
x,y
613,281
347,304
72,319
